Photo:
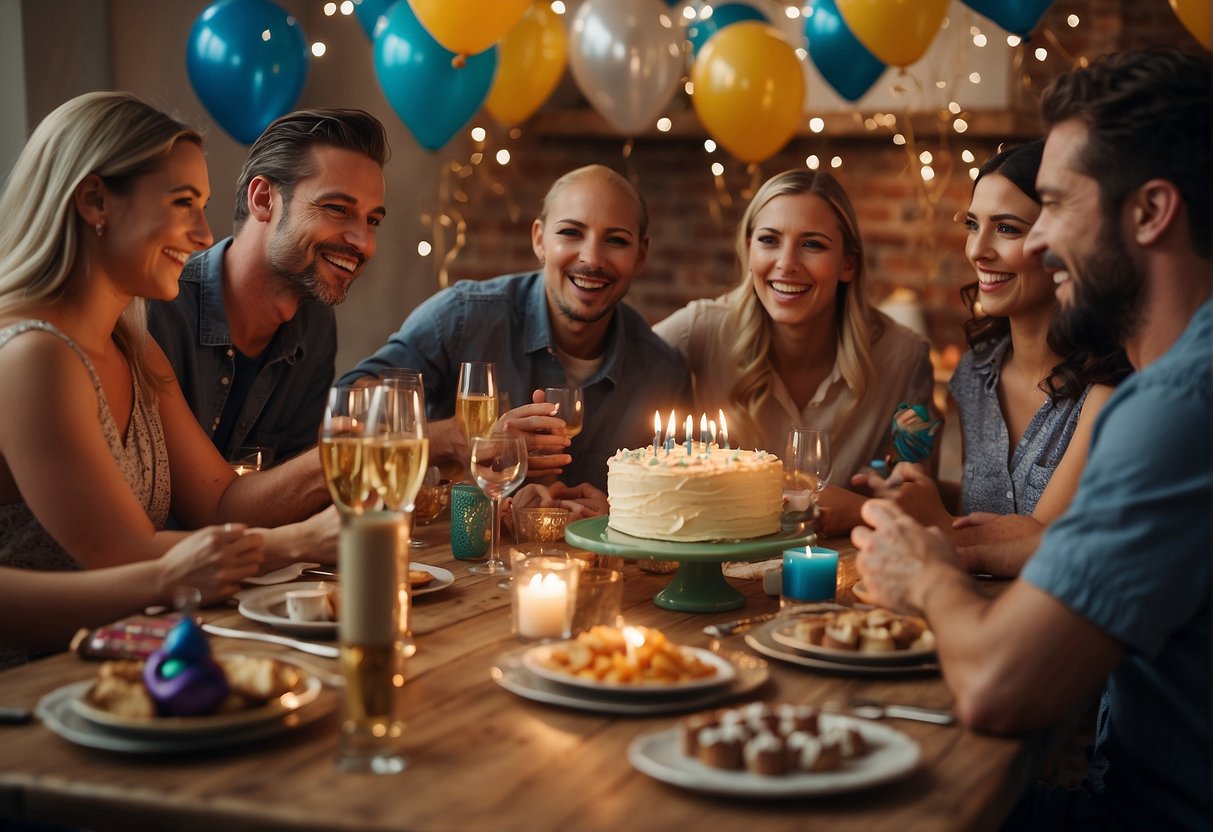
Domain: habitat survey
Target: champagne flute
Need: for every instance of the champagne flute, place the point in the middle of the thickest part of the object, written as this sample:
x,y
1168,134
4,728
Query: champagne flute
x,y
572,407
807,465
398,443
343,450
499,466
409,377
476,403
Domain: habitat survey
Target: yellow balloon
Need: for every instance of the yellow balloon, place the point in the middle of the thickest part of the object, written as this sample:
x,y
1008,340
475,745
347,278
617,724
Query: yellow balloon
x,y
530,61
1196,17
467,27
897,32
749,90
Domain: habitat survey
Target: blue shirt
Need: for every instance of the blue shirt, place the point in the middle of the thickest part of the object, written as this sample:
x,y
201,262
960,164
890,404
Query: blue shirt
x,y
505,320
1132,556
285,402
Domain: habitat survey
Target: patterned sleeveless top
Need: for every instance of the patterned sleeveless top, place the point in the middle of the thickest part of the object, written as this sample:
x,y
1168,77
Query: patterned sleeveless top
x,y
990,483
142,457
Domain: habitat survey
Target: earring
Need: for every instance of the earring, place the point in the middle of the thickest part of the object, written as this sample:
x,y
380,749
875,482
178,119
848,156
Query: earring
x,y
100,228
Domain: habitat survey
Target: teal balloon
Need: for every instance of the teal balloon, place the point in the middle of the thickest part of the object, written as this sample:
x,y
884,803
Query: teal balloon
x,y
842,60
368,13
243,77
433,98
700,31
1016,16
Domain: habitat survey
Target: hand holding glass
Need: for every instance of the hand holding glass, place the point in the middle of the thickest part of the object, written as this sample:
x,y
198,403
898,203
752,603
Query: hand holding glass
x,y
499,466
572,407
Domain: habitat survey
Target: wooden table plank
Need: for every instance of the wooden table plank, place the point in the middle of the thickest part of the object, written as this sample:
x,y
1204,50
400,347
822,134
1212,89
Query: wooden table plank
x,y
479,755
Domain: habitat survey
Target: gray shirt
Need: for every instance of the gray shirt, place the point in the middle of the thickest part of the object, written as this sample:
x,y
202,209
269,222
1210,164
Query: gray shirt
x,y
990,482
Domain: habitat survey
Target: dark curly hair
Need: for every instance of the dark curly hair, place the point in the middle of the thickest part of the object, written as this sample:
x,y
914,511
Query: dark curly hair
x,y
1081,364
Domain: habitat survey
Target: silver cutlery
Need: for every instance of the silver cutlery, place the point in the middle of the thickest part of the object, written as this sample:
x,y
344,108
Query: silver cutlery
x,y
871,709
326,651
743,624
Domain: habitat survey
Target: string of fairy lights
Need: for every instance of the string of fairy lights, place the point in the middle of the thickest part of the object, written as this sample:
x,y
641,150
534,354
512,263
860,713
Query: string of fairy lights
x,y
930,163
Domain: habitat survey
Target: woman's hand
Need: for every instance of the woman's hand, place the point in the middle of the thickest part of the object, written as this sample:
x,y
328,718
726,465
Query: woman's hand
x,y
213,560
910,486
581,500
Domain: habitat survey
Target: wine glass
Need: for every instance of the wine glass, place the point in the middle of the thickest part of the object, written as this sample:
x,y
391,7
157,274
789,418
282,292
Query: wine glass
x,y
499,466
806,466
572,407
343,449
406,376
476,403
398,443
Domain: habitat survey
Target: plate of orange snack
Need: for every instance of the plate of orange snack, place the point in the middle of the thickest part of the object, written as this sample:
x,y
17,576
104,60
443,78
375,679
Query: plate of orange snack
x,y
631,660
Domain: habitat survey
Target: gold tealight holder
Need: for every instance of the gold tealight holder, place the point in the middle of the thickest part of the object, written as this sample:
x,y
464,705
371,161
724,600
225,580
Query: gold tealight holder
x,y
540,525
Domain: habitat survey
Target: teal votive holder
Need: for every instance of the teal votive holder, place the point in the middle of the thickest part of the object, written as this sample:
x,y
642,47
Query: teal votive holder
x,y
808,575
471,518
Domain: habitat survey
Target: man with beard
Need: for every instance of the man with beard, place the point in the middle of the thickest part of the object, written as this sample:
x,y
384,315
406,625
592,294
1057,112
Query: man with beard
x,y
251,335
563,326
1118,590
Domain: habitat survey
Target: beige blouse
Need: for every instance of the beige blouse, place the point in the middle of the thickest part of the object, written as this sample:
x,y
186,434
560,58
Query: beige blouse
x,y
701,332
142,455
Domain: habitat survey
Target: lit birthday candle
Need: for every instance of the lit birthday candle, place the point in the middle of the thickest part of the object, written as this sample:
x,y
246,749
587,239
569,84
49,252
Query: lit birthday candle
x,y
687,433
712,430
669,435
703,430
656,431
724,431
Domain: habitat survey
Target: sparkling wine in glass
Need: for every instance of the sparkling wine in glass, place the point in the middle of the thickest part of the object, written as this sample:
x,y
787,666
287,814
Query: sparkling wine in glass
x,y
806,466
499,467
343,449
572,407
398,443
476,403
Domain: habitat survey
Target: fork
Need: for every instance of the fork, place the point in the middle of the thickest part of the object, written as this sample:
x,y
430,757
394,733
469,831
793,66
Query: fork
x,y
872,709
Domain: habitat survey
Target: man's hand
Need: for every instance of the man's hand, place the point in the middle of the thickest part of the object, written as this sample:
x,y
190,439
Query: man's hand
x,y
898,556
544,432
910,486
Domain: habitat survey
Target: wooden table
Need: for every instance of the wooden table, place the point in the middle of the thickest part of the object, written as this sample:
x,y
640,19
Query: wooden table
x,y
482,758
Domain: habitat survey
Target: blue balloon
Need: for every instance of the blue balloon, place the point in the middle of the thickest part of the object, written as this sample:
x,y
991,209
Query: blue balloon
x,y
700,31
247,61
838,55
433,98
1016,16
368,13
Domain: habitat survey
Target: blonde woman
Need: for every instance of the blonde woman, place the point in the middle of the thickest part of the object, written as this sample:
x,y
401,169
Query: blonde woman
x,y
97,445
796,343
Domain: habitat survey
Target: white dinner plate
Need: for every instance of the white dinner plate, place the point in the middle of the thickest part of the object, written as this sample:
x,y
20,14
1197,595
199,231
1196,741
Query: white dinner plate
x,y
893,755
57,713
268,604
760,639
785,634
751,673
305,692
536,661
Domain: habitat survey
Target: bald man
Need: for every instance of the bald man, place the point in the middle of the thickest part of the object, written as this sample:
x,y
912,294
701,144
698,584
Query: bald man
x,y
562,326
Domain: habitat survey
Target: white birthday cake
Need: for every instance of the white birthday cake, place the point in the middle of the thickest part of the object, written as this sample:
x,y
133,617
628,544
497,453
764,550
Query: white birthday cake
x,y
720,494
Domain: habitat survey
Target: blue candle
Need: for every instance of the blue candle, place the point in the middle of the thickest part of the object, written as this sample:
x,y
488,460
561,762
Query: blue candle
x,y
809,575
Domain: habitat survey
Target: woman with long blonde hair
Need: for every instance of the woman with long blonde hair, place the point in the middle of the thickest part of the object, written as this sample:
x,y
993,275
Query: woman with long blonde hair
x,y
797,343
97,445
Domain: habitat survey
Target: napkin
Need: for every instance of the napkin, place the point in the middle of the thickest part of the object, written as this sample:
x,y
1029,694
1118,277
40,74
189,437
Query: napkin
x,y
280,576
755,571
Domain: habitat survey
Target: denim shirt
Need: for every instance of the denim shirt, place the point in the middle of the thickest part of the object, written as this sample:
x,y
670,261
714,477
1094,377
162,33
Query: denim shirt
x,y
286,401
505,320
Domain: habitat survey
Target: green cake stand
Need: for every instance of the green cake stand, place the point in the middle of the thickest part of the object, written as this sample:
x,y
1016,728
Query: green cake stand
x,y
699,584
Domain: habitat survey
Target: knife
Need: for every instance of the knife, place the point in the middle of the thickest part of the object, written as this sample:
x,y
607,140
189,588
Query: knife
x,y
324,650
739,625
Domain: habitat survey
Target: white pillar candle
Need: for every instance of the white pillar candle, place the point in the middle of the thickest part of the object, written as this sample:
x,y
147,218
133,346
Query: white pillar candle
x,y
543,605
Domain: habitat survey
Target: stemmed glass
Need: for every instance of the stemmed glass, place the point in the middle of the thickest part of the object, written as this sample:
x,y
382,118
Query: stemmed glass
x,y
476,403
398,443
572,407
806,465
499,466
343,449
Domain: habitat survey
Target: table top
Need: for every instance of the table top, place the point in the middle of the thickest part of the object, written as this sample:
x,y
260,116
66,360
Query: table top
x,y
480,755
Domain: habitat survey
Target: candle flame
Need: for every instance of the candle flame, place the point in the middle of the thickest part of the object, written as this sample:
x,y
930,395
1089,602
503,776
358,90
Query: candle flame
x,y
656,422
703,423
724,428
690,427
712,430
669,429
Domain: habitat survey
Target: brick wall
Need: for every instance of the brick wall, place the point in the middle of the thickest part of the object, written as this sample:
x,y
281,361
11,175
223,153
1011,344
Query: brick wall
x,y
912,239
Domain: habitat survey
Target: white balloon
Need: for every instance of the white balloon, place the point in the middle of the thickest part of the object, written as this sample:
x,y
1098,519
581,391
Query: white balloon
x,y
626,57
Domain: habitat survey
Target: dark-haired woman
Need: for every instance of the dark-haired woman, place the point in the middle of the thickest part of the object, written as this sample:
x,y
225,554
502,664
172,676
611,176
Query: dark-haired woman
x,y
1026,399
